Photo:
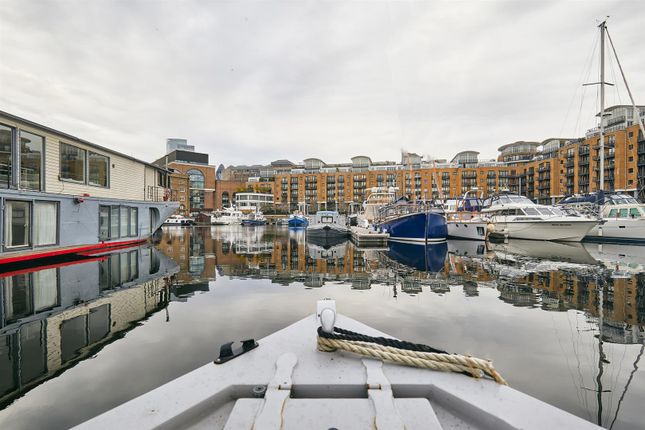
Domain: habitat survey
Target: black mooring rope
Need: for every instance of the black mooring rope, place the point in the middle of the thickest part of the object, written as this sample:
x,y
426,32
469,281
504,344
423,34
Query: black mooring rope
x,y
342,334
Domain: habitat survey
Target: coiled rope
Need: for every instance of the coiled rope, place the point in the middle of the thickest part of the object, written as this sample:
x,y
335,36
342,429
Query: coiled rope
x,y
406,353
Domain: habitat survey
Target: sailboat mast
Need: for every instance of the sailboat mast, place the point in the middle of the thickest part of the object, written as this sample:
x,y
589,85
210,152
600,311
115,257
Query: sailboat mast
x,y
602,105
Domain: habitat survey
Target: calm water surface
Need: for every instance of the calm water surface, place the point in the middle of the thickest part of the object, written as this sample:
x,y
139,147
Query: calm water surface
x,y
562,322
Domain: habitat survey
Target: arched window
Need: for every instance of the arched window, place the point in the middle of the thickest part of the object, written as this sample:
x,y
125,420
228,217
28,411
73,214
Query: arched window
x,y
195,178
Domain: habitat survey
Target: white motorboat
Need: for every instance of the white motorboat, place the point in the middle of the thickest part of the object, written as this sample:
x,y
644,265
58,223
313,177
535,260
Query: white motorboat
x,y
514,216
623,217
379,197
294,379
463,218
178,220
228,216
328,225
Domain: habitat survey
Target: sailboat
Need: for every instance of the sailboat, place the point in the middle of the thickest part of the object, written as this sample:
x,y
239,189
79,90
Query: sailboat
x,y
623,217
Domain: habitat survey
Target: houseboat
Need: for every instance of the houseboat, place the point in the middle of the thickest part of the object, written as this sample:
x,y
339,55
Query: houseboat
x,y
64,195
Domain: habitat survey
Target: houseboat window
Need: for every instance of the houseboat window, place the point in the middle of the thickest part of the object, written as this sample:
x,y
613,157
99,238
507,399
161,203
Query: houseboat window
x,y
125,221
634,212
72,163
98,167
45,223
31,160
104,222
134,221
623,213
613,213
114,222
17,223
6,139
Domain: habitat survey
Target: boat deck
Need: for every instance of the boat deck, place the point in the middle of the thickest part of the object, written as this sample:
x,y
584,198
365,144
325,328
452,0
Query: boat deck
x,y
286,383
364,237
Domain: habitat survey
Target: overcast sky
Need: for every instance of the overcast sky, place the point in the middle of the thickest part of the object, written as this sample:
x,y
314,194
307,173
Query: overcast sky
x,y
251,82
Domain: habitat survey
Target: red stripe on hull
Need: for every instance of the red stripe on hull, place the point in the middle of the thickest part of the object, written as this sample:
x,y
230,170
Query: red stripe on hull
x,y
56,252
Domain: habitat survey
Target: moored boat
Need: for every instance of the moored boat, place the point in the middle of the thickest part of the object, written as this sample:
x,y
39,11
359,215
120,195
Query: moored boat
x,y
407,221
254,219
227,216
328,225
463,218
285,381
623,217
178,220
297,221
515,216
63,195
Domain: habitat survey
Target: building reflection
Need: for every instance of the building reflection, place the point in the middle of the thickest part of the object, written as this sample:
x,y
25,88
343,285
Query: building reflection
x,y
557,278
54,317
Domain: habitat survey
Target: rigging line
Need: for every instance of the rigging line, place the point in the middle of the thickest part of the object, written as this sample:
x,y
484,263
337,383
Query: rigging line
x,y
555,331
615,383
576,344
575,353
629,381
581,79
588,68
622,73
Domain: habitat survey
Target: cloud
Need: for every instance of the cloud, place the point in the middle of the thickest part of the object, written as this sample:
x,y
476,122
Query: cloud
x,y
254,82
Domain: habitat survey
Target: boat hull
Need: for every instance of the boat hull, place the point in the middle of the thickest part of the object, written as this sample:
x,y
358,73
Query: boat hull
x,y
473,230
619,230
78,224
567,231
298,222
416,227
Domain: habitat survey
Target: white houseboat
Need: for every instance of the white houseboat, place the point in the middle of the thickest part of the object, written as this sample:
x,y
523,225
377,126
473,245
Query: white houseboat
x,y
63,195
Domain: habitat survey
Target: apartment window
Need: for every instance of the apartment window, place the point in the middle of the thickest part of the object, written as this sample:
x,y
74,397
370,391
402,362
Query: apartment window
x,y
45,223
31,160
196,178
72,163
6,143
17,223
98,168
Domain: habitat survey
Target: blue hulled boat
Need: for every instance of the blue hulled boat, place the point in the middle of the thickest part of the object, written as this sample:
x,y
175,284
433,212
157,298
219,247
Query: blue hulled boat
x,y
298,221
413,222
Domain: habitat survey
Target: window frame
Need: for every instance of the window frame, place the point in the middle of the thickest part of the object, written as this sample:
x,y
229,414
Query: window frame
x,y
18,147
30,243
33,205
60,166
13,158
87,169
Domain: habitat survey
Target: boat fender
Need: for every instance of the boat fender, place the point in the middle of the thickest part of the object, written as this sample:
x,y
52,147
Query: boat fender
x,y
326,313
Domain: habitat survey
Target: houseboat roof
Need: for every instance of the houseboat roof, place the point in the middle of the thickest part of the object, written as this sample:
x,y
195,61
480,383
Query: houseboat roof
x,y
76,139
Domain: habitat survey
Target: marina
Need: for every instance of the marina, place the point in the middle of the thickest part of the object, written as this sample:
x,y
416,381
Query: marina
x,y
568,303
322,215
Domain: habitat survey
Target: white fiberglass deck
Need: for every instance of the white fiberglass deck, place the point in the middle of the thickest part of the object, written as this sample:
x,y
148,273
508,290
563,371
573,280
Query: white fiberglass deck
x,y
317,390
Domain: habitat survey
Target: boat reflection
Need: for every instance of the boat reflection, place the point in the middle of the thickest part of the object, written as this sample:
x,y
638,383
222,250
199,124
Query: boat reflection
x,y
425,258
53,317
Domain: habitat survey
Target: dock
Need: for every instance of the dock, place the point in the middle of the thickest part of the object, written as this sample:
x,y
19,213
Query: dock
x,y
364,237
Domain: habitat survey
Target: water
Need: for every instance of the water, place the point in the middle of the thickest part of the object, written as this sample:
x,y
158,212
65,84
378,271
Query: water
x,y
562,322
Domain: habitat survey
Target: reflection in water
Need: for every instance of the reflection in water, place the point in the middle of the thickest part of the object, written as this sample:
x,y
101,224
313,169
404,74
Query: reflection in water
x,y
572,314
605,282
52,318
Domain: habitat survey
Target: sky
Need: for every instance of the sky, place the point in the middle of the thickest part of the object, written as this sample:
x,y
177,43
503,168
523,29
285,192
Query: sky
x,y
254,81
